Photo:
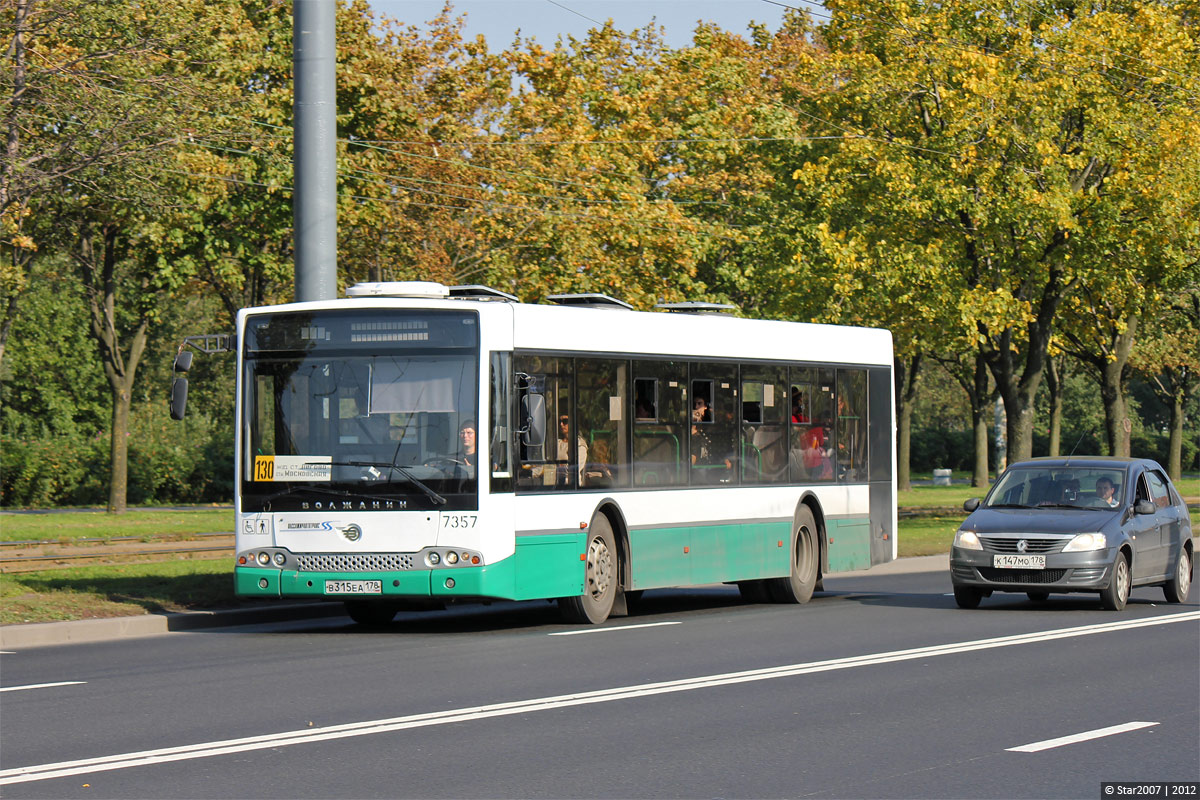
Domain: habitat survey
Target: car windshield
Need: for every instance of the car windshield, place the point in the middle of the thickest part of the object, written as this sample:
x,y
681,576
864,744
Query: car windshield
x,y
1059,487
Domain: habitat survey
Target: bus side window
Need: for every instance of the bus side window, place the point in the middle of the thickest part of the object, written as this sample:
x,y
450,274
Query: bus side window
x,y
660,443
555,464
602,389
715,432
500,430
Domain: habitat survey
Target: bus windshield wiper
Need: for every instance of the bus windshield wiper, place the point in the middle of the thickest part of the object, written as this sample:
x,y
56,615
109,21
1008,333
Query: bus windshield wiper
x,y
310,487
434,496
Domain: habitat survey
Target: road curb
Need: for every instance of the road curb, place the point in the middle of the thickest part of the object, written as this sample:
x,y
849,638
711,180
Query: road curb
x,y
45,634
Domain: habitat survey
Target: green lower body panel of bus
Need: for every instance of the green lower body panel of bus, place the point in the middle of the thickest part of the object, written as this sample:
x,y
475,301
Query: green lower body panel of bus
x,y
697,554
542,567
546,566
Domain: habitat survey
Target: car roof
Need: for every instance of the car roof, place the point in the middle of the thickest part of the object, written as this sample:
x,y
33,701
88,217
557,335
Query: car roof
x,y
1087,461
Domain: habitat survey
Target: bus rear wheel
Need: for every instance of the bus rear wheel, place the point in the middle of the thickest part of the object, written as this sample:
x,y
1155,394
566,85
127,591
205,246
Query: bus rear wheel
x,y
798,586
600,578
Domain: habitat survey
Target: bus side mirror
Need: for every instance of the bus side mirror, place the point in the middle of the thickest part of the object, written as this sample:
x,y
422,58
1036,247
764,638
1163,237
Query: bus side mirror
x,y
533,413
179,390
183,361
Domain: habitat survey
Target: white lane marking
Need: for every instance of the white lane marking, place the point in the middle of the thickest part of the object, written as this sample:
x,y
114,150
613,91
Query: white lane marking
x,y
40,686
1037,747
143,758
613,628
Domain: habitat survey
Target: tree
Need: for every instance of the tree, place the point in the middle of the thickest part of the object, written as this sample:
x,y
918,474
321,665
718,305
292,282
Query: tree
x,y
1169,355
994,137
120,94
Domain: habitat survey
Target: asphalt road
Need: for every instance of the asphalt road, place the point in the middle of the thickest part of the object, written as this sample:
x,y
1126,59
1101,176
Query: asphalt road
x,y
880,687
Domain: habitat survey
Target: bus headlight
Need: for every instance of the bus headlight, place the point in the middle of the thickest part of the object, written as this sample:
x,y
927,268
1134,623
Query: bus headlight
x,y
967,540
434,559
279,559
264,558
452,557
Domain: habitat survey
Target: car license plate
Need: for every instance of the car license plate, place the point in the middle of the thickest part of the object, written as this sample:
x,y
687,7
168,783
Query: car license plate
x,y
1019,562
353,587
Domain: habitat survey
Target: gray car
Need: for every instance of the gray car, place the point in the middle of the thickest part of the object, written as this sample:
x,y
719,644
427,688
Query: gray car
x,y
1083,524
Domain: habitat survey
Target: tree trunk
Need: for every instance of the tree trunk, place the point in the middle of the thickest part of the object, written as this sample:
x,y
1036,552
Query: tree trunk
x,y
981,401
1175,443
906,389
118,487
1112,389
98,271
1055,386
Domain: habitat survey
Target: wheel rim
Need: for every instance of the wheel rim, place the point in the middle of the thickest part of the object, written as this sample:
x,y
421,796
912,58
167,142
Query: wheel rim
x,y
1183,574
803,552
1122,580
599,567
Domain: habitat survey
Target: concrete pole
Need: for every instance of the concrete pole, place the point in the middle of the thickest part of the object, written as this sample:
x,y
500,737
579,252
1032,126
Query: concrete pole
x,y
314,161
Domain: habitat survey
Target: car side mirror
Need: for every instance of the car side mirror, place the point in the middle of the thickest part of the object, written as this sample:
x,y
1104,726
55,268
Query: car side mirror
x,y
1144,507
971,504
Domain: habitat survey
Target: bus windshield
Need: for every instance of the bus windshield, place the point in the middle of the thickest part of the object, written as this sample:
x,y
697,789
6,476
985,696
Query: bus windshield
x,y
369,410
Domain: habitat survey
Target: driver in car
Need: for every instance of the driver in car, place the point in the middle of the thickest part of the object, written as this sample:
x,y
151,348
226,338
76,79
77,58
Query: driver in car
x,y
1104,491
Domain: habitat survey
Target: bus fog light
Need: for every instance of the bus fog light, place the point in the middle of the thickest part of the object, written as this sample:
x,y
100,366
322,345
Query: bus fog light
x,y
279,559
262,583
264,558
449,583
452,557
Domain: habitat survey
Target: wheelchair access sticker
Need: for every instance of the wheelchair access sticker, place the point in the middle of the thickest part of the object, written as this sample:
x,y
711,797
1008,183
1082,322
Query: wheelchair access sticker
x,y
293,468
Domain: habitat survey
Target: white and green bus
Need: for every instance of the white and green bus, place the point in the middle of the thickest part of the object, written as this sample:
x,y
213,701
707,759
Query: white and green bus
x,y
415,445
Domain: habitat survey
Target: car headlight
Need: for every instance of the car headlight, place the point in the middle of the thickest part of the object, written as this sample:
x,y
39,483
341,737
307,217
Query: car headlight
x,y
967,540
1086,542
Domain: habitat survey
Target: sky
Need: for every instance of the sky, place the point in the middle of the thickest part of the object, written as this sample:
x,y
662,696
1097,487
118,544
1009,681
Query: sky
x,y
546,20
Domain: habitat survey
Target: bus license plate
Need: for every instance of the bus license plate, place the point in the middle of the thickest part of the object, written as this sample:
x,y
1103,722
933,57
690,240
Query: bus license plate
x,y
353,587
1019,562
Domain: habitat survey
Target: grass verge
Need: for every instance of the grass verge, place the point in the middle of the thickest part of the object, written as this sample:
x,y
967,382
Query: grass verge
x,y
63,526
116,590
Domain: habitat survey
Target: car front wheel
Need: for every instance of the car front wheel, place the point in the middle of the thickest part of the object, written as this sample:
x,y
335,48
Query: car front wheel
x,y
1114,596
967,596
1176,589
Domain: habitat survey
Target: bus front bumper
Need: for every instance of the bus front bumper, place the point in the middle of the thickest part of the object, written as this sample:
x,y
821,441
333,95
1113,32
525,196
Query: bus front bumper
x,y
492,581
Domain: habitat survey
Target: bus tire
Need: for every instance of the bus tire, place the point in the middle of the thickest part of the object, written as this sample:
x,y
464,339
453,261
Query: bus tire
x,y
600,577
372,615
798,586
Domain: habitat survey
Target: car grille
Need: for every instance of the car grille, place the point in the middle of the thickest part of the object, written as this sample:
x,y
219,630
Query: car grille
x,y
1008,544
366,562
1021,575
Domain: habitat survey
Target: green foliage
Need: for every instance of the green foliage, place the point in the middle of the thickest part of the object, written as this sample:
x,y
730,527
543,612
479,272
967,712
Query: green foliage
x,y
974,176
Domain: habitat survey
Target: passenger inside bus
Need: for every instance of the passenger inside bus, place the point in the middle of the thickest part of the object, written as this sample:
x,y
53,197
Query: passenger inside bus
x,y
599,471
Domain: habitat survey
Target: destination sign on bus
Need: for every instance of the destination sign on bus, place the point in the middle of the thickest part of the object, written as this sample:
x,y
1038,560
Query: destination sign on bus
x,y
293,468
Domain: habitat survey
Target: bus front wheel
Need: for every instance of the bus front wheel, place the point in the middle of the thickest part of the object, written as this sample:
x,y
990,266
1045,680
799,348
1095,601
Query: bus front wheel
x,y
800,583
600,577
